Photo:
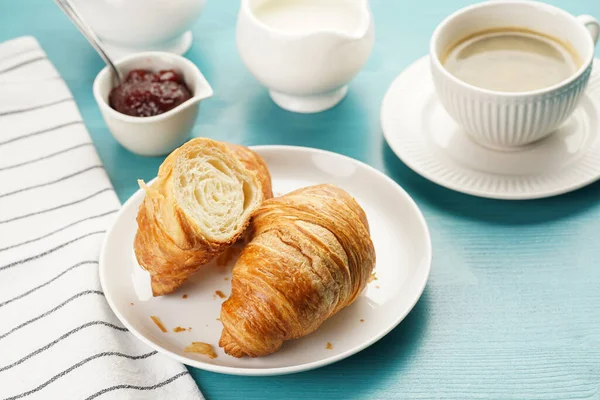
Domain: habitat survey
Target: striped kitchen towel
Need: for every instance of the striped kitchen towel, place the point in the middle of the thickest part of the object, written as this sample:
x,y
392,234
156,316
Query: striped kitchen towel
x,y
58,336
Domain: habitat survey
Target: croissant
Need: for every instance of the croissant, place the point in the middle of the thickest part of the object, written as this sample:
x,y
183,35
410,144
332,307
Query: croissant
x,y
200,203
310,256
254,162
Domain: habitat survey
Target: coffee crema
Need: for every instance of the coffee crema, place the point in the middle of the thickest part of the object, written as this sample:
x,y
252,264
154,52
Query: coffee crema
x,y
511,60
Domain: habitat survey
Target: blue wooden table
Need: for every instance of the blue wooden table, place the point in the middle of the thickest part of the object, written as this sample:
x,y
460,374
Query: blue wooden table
x,y
512,308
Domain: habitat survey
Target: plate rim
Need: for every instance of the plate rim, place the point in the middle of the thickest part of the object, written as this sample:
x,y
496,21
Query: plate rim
x,y
413,165
272,371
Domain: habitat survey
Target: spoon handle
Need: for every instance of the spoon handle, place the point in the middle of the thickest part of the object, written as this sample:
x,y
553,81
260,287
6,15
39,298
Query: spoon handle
x,y
88,33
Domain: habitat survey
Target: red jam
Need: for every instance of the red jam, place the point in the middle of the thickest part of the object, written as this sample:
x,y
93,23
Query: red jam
x,y
145,93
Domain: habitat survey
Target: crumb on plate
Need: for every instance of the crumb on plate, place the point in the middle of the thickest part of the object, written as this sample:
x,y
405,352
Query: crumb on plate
x,y
179,329
158,323
220,294
226,278
184,296
373,277
362,320
201,348
329,346
218,319
376,286
131,303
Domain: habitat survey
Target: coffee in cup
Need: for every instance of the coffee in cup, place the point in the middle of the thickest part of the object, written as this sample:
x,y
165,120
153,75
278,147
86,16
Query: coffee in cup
x,y
511,60
510,72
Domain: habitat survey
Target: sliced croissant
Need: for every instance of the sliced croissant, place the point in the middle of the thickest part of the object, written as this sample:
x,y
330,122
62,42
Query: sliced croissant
x,y
254,162
310,256
199,204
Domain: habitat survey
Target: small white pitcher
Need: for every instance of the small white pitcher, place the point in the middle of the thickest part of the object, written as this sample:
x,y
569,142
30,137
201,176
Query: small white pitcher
x,y
305,72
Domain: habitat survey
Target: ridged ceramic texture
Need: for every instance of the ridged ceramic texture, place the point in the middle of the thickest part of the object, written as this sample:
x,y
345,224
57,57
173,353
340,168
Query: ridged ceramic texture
x,y
404,115
508,121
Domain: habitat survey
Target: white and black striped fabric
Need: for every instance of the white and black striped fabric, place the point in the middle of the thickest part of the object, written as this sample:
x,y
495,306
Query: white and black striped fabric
x,y
58,337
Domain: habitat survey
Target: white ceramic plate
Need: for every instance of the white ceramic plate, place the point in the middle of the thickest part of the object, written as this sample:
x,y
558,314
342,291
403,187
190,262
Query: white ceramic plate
x,y
403,250
426,139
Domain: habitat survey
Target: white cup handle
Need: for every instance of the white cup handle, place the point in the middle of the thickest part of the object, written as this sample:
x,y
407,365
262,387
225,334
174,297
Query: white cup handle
x,y
592,25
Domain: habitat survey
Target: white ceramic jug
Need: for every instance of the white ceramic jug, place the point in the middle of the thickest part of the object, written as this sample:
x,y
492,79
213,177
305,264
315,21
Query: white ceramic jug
x,y
306,68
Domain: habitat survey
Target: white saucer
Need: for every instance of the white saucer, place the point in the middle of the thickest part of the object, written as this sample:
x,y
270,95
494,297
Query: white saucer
x,y
402,244
426,139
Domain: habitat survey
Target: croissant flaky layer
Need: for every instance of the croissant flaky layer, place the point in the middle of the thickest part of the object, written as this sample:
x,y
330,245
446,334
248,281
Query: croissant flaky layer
x,y
200,203
310,256
254,162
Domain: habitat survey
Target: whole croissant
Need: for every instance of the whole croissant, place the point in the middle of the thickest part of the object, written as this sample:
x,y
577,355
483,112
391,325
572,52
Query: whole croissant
x,y
200,203
310,256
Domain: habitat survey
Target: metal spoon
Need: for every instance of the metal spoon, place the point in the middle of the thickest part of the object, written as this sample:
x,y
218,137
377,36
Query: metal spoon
x,y
87,32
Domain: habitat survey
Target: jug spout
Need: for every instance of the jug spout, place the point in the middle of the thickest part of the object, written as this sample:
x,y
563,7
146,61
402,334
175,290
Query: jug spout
x,y
364,19
204,92
351,24
299,19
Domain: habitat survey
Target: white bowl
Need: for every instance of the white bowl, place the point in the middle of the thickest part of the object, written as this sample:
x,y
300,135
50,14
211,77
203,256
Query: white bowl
x,y
160,134
131,26
507,120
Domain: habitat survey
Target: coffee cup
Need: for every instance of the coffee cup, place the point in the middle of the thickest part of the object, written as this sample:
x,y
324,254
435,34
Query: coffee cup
x,y
510,118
